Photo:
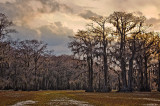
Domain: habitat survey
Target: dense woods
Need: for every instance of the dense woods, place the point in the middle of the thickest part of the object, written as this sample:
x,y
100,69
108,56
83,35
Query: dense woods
x,y
117,52
124,50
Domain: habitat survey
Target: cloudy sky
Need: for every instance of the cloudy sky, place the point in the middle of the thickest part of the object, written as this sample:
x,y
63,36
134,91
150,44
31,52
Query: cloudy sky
x,y
54,20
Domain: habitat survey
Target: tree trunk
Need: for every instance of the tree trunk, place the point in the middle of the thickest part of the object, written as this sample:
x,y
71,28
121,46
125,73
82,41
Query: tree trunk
x,y
124,80
130,75
119,83
15,78
159,73
105,64
35,76
147,88
123,63
99,83
141,81
106,86
130,72
90,74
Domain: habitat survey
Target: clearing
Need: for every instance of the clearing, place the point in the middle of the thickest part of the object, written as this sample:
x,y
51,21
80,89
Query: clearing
x,y
77,98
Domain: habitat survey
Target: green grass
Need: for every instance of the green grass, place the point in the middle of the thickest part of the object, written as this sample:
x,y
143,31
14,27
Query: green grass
x,y
98,99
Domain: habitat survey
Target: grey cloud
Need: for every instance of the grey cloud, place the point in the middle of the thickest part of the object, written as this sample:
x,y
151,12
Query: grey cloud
x,y
124,5
153,21
57,37
16,10
56,34
24,33
60,50
21,8
54,6
88,14
10,10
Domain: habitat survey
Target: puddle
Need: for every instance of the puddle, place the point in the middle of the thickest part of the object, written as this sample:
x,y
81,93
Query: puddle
x,y
149,99
22,103
68,102
150,104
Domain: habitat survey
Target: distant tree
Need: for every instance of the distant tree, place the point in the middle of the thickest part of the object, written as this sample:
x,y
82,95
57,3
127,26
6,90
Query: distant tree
x,y
5,49
5,25
38,48
31,53
83,45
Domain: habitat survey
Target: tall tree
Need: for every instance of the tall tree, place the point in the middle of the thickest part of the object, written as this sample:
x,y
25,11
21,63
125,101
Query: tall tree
x,y
99,27
83,45
124,24
157,54
145,50
132,45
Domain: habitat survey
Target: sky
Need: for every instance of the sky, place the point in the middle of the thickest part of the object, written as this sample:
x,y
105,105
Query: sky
x,y
52,21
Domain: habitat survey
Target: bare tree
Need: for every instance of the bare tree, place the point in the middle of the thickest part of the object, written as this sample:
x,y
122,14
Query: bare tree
x,y
157,54
124,24
5,49
83,45
99,27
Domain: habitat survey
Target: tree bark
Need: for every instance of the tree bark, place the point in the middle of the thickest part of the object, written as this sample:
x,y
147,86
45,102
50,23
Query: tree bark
x,y
123,63
130,72
90,74
130,75
119,83
124,80
35,69
159,73
105,64
141,81
15,78
106,86
147,88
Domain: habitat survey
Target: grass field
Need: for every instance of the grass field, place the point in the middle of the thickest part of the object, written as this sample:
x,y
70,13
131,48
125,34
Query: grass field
x,y
78,98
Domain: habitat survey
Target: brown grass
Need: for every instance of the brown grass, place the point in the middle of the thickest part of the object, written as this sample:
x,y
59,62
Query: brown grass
x,y
98,99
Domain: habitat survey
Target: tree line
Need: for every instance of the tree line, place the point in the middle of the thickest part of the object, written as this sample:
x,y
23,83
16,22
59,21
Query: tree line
x,y
120,48
116,52
29,65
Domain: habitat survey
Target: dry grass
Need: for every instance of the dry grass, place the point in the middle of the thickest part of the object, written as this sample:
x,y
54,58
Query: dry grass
x,y
113,98
98,99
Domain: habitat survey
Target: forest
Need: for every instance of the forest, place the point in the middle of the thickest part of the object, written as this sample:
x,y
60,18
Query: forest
x,y
118,52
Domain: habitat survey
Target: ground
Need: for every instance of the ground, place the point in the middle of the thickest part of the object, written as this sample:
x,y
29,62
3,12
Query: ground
x,y
77,98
